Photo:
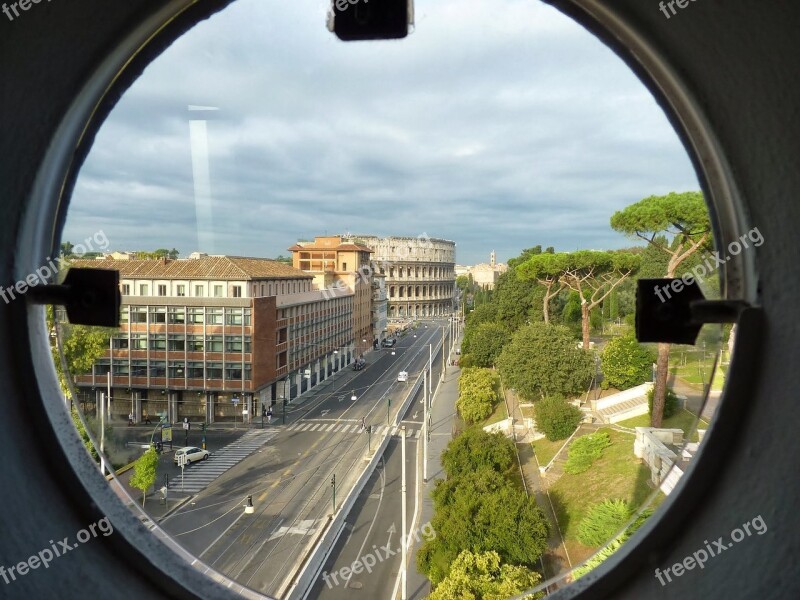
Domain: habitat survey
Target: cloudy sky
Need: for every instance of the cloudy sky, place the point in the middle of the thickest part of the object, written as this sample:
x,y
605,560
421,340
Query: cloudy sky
x,y
496,128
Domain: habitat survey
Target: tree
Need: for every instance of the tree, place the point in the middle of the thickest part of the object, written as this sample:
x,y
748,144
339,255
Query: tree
x,y
483,576
626,363
685,218
144,474
518,301
477,394
547,270
482,511
485,313
66,249
543,360
476,449
556,418
484,343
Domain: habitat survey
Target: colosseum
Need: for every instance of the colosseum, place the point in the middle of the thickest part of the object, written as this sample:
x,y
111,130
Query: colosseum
x,y
420,273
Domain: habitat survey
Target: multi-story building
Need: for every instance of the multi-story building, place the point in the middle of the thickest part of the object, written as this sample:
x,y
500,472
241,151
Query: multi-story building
x,y
486,275
336,265
420,273
216,337
380,305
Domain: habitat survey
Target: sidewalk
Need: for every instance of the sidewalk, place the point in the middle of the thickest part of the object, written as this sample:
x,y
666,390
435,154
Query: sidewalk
x,y
556,560
443,421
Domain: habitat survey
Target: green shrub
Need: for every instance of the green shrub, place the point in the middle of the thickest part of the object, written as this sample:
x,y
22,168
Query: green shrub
x,y
584,451
603,521
478,393
671,403
603,554
556,418
626,363
476,449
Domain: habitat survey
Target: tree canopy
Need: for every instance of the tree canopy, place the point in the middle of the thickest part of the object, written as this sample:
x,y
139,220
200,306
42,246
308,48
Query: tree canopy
x,y
543,360
482,576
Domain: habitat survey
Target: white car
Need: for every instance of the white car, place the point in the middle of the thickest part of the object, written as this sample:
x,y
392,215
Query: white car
x,y
402,376
192,454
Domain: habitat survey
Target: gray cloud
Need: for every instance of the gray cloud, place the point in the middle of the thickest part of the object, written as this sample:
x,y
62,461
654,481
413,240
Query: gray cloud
x,y
499,129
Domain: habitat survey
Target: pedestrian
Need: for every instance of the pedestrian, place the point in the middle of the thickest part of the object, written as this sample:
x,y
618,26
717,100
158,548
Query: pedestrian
x,y
147,419
363,423
130,419
269,416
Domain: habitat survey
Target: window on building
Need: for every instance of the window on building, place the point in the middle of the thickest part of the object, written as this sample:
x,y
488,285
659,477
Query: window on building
x,y
214,343
177,369
162,289
144,289
126,289
102,367
177,314
158,368
233,316
214,370
236,291
121,368
139,341
199,292
138,314
233,343
119,343
124,314
195,343
176,343
158,342
214,316
233,371
138,368
158,314
217,291
247,313
180,290
248,347
281,359
196,316
194,370
248,370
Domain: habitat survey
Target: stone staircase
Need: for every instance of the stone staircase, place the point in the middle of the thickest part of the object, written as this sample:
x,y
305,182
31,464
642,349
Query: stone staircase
x,y
624,405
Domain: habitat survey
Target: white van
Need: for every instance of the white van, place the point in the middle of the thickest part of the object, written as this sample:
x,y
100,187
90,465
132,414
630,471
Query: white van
x,y
402,376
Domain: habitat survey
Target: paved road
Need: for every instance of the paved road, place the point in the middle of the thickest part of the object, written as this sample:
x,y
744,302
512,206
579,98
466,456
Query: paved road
x,y
373,527
290,478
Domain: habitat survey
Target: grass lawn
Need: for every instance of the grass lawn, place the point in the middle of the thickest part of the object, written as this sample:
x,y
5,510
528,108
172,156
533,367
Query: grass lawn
x,y
682,419
695,366
500,414
545,450
616,474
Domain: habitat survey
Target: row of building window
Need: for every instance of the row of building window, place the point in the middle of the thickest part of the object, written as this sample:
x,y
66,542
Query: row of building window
x,y
176,369
179,315
427,291
183,343
218,290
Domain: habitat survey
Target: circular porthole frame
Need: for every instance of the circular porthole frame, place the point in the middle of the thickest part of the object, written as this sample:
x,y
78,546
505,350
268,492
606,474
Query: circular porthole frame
x,y
147,36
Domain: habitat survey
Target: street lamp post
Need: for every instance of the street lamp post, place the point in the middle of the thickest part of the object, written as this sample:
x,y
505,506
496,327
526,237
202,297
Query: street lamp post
x,y
333,485
388,407
335,360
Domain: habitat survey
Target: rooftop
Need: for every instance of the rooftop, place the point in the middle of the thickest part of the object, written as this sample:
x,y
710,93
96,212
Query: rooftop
x,y
236,268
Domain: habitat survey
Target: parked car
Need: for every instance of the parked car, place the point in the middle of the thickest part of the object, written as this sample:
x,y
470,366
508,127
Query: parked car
x,y
402,376
192,454
359,364
389,342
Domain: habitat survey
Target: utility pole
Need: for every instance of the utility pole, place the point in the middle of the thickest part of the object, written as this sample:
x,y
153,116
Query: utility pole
x,y
430,368
444,361
425,430
404,594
